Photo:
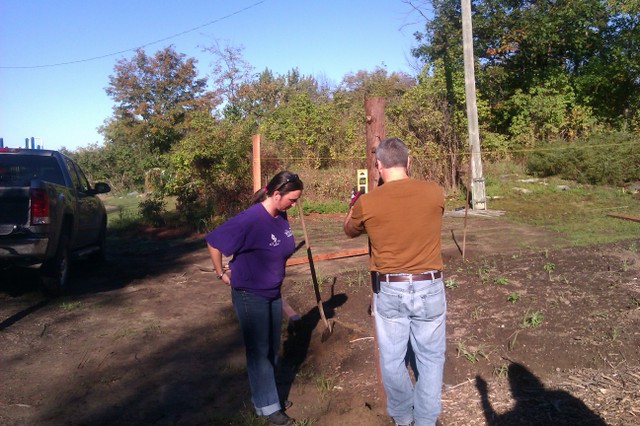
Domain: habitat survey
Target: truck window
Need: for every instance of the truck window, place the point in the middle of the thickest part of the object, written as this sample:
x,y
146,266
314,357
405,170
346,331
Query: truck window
x,y
18,170
83,178
75,180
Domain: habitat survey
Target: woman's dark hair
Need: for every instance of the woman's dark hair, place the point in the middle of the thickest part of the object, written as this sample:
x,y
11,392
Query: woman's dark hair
x,y
284,182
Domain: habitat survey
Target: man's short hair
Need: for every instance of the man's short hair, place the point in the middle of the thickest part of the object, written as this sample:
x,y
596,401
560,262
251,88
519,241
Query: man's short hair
x,y
392,152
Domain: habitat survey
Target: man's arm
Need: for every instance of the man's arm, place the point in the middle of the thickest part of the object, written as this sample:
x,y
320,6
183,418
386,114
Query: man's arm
x,y
349,229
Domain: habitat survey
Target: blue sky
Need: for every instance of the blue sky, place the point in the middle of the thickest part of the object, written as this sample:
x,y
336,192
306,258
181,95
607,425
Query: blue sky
x,y
63,105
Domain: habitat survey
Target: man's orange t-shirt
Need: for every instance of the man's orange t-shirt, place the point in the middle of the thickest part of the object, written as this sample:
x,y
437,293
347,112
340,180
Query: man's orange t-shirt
x,y
403,219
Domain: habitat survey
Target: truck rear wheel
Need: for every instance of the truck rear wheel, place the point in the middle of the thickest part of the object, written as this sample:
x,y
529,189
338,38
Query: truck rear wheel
x,y
55,272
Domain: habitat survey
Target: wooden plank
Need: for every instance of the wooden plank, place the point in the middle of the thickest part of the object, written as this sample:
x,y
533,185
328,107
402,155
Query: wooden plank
x,y
328,256
624,216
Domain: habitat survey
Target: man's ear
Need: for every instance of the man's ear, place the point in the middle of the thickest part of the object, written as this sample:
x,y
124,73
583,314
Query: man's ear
x,y
408,162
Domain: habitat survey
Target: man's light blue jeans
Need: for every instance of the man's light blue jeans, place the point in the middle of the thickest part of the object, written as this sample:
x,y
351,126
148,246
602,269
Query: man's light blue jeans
x,y
416,312
260,321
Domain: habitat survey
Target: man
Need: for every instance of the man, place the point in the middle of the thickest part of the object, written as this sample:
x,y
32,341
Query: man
x,y
403,218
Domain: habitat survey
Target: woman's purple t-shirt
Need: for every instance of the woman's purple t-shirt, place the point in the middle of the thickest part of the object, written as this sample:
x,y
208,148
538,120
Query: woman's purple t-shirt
x,y
260,245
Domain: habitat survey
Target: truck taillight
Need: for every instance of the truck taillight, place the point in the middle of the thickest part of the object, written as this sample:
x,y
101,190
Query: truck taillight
x,y
39,207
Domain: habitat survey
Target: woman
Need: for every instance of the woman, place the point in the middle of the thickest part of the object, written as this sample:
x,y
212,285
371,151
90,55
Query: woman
x,y
260,240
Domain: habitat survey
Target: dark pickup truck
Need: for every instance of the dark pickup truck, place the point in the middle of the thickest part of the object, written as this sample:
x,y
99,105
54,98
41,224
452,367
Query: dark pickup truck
x,y
49,214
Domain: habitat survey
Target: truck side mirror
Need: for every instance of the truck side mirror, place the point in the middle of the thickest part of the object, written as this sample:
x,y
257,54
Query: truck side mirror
x,y
101,188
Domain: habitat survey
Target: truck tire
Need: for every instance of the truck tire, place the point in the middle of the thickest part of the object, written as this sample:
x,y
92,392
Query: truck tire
x,y
55,272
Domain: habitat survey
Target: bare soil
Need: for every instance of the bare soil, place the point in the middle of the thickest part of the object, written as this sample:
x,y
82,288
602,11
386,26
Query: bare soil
x,y
539,333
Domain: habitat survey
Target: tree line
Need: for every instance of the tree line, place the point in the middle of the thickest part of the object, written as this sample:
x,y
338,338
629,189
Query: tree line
x,y
557,72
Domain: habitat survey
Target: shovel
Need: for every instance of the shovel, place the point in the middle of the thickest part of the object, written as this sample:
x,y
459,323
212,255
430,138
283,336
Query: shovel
x,y
328,326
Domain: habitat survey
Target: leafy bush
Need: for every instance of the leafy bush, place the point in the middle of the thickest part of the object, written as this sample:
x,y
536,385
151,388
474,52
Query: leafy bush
x,y
328,185
152,210
602,159
547,112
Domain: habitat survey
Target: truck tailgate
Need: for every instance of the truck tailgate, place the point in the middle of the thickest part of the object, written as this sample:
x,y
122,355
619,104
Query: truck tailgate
x,y
14,207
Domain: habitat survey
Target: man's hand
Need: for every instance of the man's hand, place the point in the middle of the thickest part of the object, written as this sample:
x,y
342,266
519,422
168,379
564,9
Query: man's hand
x,y
354,196
349,229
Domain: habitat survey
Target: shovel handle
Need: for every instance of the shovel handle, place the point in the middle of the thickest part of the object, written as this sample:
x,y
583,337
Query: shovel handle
x,y
309,254
304,228
316,288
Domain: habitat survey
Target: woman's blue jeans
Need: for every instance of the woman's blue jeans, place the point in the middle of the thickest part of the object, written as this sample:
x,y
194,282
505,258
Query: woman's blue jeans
x,y
260,321
415,312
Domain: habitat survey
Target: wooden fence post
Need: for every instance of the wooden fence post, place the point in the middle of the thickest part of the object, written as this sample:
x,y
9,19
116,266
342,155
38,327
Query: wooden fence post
x,y
374,129
255,165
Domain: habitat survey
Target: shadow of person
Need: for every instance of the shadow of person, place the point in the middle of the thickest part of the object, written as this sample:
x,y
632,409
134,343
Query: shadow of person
x,y
535,405
298,341
335,301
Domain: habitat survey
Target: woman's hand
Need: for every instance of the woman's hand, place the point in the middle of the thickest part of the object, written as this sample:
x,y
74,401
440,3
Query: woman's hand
x,y
216,259
226,277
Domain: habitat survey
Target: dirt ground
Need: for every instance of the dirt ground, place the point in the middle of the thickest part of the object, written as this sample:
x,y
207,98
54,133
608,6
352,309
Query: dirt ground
x,y
539,333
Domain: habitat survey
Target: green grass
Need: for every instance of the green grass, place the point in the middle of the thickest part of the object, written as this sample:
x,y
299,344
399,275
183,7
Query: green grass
x,y
356,277
501,371
451,283
549,267
471,353
513,297
324,384
579,212
500,281
324,207
122,211
71,306
532,319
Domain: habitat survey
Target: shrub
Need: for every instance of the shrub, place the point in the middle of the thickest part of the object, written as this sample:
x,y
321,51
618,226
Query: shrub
x,y
151,210
602,159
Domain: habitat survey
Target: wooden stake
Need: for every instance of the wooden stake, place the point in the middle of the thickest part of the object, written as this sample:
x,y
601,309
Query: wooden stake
x,y
466,212
624,216
255,163
374,128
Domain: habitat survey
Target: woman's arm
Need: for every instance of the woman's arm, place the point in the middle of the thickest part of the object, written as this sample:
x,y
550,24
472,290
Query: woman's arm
x,y
216,259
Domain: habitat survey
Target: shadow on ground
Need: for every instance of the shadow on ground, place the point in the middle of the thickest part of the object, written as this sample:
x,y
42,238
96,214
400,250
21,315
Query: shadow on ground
x,y
534,404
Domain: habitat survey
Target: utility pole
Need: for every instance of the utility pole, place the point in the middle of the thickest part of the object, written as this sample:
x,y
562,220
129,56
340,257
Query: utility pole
x,y
478,197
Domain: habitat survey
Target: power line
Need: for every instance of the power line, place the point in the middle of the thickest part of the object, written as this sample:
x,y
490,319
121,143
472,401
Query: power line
x,y
139,47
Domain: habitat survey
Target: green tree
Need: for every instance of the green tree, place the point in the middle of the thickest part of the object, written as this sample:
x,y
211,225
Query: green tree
x,y
257,99
584,53
423,118
229,73
302,129
440,45
212,168
153,97
349,98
